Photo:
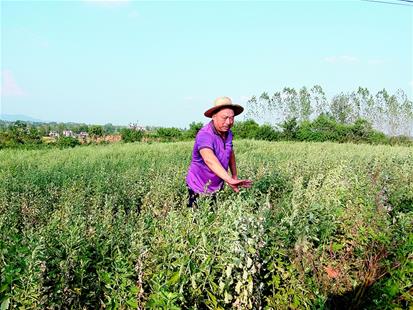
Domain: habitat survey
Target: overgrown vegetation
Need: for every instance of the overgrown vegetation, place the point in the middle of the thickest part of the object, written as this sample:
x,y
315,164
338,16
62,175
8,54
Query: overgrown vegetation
x,y
324,226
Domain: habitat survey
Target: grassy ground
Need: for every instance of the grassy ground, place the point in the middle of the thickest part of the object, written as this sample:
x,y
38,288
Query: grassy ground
x,y
325,226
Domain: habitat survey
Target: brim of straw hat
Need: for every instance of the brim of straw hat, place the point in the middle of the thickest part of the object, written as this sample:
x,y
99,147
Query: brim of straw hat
x,y
235,107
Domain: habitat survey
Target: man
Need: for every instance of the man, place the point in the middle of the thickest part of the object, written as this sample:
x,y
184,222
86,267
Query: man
x,y
213,153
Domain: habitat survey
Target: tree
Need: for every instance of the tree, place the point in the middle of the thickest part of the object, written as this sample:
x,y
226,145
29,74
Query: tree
x,y
318,100
397,112
290,104
168,134
193,129
108,129
96,130
245,129
290,129
131,135
64,142
305,104
341,108
267,132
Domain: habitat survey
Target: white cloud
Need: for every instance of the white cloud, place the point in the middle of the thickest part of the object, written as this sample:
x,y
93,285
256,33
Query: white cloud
x,y
9,86
344,59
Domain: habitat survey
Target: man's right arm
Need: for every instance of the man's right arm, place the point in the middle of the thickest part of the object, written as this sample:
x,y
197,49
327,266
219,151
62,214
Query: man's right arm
x,y
213,163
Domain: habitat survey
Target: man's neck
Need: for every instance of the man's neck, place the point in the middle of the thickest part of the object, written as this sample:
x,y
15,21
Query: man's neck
x,y
222,134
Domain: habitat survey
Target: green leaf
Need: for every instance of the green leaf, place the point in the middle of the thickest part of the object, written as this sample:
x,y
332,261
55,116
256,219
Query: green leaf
x,y
4,287
5,304
174,279
133,303
212,298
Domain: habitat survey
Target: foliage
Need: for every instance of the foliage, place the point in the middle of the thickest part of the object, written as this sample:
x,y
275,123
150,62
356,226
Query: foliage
x,y
109,129
323,225
290,129
18,134
301,115
249,129
267,132
131,135
389,113
246,129
64,142
168,134
96,130
193,129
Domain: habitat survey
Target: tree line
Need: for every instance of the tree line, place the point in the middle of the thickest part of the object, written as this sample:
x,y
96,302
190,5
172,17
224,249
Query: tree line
x,y
289,114
388,113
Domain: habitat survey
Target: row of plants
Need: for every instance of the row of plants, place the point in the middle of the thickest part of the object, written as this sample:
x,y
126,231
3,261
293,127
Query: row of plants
x,y
324,226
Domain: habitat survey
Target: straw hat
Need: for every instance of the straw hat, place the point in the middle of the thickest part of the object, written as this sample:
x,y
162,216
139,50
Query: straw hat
x,y
221,103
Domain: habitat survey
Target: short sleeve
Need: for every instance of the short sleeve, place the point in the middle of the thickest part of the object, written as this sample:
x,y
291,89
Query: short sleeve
x,y
204,140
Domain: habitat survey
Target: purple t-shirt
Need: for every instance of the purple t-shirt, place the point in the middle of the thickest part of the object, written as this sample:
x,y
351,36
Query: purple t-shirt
x,y
200,178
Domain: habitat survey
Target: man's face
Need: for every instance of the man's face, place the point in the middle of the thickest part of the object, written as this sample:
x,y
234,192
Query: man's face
x,y
223,120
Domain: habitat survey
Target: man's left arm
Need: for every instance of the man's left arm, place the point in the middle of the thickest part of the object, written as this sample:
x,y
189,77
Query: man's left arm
x,y
233,165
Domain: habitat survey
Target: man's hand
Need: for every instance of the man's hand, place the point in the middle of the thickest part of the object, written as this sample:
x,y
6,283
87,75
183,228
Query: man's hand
x,y
234,183
213,163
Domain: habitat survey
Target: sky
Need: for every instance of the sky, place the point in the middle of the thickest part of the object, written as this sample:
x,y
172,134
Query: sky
x,y
163,63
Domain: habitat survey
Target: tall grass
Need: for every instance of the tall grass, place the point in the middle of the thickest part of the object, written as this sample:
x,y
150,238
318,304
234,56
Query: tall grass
x,y
107,226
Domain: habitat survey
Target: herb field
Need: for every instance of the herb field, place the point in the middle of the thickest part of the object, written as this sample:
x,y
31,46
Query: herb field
x,y
325,226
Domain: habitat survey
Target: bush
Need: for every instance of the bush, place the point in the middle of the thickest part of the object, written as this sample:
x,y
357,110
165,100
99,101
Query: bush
x,y
64,142
168,134
131,135
245,129
290,129
193,130
323,128
400,140
96,130
266,132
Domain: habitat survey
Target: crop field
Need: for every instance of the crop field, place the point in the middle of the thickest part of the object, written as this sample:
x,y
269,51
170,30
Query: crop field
x,y
325,226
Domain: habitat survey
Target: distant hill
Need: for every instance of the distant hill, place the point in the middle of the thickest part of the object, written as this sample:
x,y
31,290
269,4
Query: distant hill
x,y
19,117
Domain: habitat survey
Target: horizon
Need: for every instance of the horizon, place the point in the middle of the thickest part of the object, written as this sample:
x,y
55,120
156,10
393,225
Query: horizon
x,y
163,63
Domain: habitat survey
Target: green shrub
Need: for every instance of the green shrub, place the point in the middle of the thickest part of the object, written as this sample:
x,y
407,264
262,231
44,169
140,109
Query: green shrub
x,y
245,129
109,226
290,129
401,140
193,130
64,142
168,134
96,130
131,135
267,132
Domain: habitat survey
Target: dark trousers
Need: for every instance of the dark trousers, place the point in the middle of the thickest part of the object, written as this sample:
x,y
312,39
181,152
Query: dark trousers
x,y
192,200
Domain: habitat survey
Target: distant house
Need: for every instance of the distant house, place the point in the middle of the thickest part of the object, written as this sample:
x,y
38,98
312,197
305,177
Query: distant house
x,y
68,133
137,127
54,134
83,135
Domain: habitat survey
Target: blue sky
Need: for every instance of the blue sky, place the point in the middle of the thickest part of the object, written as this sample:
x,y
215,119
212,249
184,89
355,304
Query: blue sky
x,y
163,63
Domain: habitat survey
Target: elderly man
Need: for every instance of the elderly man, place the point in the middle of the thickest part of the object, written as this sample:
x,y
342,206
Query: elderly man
x,y
213,153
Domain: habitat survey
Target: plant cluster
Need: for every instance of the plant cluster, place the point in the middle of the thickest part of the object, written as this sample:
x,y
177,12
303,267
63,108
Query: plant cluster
x,y
325,225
